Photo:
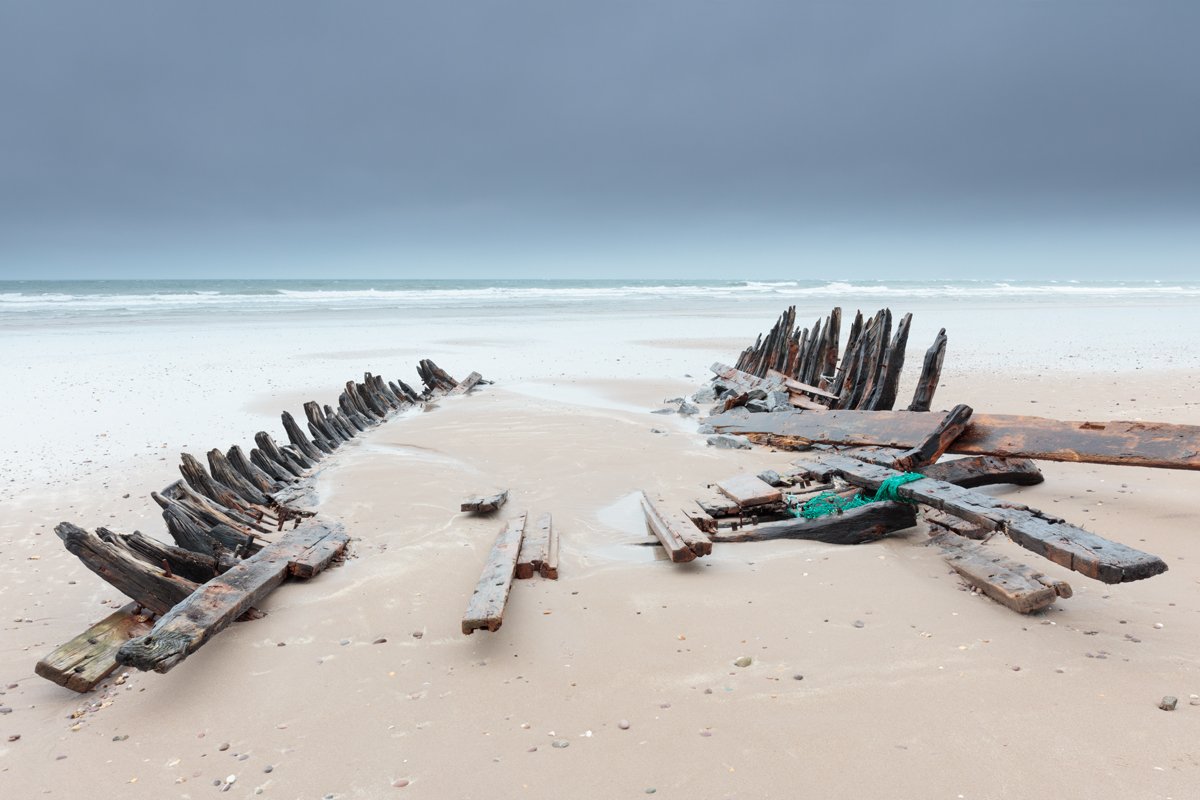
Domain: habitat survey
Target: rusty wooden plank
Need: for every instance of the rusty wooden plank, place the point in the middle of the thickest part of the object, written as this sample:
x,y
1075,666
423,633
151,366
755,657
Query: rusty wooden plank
x,y
485,504
670,535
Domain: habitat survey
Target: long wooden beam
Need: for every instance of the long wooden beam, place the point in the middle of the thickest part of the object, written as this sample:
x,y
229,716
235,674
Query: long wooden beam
x,y
1062,543
1008,582
863,524
682,541
1137,444
91,656
485,610
215,605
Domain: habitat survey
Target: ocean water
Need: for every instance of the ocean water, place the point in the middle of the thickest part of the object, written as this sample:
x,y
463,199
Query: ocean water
x,y
26,301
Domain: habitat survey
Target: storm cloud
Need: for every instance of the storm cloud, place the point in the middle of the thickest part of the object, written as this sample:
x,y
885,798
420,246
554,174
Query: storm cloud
x,y
669,137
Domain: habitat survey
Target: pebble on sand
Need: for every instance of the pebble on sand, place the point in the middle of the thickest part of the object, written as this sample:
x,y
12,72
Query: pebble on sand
x,y
1168,703
400,783
560,743
623,724
742,661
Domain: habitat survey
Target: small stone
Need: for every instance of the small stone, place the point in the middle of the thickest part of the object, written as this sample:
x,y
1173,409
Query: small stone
x,y
726,441
5,710
268,769
706,733
344,642
623,724
742,661
705,395
688,410
224,747
1168,703
230,778
858,623
244,757
1158,626
15,737
121,738
380,640
560,743
651,790
418,634
1016,668
797,677
400,783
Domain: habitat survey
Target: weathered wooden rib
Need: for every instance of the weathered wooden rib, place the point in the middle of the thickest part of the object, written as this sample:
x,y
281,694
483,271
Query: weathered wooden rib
x,y
485,504
848,364
466,384
198,478
260,478
298,439
535,549
294,453
748,490
930,450
863,524
211,512
195,566
485,610
1008,582
404,391
341,425
143,583
681,542
81,663
353,412
1062,543
272,468
270,450
931,373
223,471
969,472
215,605
1135,444
883,397
796,387
436,380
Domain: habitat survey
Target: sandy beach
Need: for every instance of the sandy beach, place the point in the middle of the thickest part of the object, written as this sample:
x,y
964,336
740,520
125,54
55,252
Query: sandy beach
x,y
874,672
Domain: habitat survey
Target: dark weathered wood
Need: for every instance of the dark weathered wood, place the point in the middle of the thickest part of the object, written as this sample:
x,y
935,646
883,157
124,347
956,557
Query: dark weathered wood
x,y
938,521
293,452
223,471
1008,582
404,391
81,663
743,382
872,364
535,549
848,364
298,439
485,504
272,468
212,512
200,481
436,380
985,471
833,328
903,429
794,386
700,518
748,490
215,605
485,610
466,384
931,373
143,583
1062,543
670,535
196,567
273,452
883,397
930,450
263,480
863,524
352,412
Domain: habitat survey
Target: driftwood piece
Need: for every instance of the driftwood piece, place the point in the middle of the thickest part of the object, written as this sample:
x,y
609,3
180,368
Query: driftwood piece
x,y
143,583
930,450
535,549
466,384
215,605
81,663
863,524
680,541
486,607
1008,582
485,504
1062,543
931,373
748,490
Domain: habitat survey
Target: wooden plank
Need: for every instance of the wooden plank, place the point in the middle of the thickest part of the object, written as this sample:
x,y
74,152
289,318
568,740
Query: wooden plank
x,y
931,373
749,490
90,657
883,397
700,518
863,524
1062,543
486,607
671,536
1008,582
940,521
793,385
318,550
215,605
535,549
466,384
930,450
1137,444
549,568
985,471
485,504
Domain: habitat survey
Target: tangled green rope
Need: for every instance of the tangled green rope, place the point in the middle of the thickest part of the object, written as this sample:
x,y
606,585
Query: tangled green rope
x,y
828,503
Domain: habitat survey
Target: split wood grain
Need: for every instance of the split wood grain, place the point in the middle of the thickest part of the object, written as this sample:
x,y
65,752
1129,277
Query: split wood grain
x,y
485,610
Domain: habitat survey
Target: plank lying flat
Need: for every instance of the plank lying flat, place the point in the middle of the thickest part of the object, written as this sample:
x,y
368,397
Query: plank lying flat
x,y
1008,582
485,504
466,384
743,381
670,534
486,607
793,385
1062,543
535,549
940,521
1137,444
91,656
749,490
863,524
215,605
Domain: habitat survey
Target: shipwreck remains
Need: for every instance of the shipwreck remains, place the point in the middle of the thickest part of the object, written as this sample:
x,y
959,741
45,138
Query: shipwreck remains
x,y
227,522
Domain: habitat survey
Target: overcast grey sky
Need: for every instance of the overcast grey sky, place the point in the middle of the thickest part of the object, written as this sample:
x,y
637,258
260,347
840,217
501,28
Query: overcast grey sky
x,y
604,139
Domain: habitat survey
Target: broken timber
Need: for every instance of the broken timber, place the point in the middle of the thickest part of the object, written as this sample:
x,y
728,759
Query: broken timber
x,y
682,542
214,606
967,472
486,607
863,524
1008,582
90,657
485,504
539,551
749,490
1062,543
1135,444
